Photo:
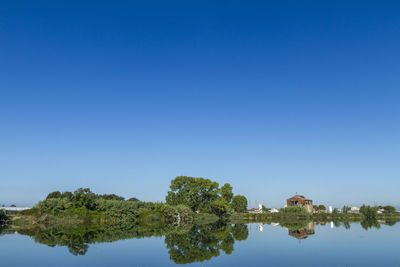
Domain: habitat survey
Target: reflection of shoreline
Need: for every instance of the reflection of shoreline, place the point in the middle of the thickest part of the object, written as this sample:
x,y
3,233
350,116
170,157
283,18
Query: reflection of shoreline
x,y
186,243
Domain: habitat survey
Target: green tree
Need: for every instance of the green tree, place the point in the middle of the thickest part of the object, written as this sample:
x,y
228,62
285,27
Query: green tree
x,y
220,207
111,197
226,192
196,193
388,209
321,207
264,209
83,197
55,194
239,203
369,212
346,209
66,195
133,199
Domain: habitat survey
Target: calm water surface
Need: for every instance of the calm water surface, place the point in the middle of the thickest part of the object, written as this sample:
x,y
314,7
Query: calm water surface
x,y
228,245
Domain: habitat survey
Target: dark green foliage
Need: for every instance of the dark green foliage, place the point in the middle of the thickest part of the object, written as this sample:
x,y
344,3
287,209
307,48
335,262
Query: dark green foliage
x,y
369,223
31,212
319,207
203,242
186,243
133,199
69,195
293,209
226,192
201,195
196,193
240,232
239,203
346,209
390,222
78,238
179,213
264,209
111,208
388,209
110,197
3,217
369,212
56,194
220,207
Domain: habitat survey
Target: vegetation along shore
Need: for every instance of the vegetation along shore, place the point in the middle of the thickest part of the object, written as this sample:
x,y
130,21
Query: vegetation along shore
x,y
189,201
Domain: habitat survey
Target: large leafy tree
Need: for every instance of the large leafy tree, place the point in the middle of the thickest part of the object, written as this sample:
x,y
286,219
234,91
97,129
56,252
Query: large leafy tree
x,y
220,207
239,203
226,192
196,193
368,211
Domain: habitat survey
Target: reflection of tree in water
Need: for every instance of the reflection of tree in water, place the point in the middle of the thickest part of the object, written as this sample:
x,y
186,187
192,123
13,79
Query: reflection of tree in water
x,y
187,243
204,242
77,239
390,222
369,223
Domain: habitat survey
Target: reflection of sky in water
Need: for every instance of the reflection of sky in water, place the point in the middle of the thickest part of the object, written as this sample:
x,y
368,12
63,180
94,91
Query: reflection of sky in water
x,y
272,246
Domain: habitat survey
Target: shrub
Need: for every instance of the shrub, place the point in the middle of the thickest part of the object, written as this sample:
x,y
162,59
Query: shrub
x,y
3,216
294,209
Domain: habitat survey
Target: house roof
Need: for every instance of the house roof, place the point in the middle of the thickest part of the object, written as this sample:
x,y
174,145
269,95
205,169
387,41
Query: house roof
x,y
300,196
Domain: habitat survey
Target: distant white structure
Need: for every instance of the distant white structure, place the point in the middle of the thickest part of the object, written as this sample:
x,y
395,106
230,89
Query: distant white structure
x,y
355,209
273,210
330,209
332,225
261,227
260,207
15,208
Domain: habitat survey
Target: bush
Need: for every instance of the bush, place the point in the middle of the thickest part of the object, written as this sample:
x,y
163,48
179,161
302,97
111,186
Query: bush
x,y
3,216
294,209
86,205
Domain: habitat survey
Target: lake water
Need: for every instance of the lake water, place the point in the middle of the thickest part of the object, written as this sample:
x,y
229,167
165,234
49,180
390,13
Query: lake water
x,y
253,244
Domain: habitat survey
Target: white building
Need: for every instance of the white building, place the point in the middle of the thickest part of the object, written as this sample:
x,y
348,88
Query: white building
x,y
274,210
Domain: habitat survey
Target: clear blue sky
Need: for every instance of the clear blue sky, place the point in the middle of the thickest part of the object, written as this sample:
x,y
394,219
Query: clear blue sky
x,y
274,97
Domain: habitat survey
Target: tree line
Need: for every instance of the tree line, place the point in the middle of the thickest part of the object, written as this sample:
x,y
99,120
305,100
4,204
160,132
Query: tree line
x,y
188,195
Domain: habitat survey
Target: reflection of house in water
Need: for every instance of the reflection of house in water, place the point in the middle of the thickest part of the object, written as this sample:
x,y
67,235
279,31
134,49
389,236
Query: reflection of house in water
x,y
300,201
304,232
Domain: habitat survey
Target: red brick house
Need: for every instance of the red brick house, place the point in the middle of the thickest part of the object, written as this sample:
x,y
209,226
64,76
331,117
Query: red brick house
x,y
300,201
